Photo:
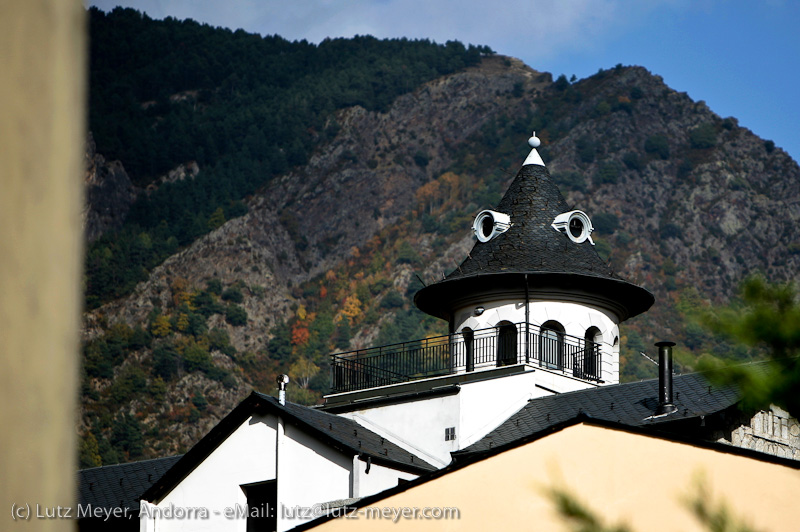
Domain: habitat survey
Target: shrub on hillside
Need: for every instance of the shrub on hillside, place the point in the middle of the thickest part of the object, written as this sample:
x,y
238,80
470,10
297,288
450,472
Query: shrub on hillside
x,y
233,294
632,161
585,148
670,230
657,145
392,300
195,358
236,315
703,136
607,173
570,181
605,223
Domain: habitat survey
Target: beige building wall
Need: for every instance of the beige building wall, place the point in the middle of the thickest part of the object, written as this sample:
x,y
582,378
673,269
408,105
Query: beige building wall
x,y
624,476
42,135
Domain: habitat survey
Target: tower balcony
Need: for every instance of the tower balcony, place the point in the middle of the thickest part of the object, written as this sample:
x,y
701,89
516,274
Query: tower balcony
x,y
466,351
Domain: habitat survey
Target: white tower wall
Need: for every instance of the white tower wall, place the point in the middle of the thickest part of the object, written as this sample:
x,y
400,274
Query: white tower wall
x,y
575,318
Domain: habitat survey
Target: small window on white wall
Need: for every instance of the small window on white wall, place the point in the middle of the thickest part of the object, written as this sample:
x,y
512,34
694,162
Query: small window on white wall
x,y
262,506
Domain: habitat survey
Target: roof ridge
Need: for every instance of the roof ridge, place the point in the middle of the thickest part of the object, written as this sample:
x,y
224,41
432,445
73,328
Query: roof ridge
x,y
423,464
123,464
628,403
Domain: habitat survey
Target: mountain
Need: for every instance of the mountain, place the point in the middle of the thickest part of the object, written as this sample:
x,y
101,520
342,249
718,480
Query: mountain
x,y
325,254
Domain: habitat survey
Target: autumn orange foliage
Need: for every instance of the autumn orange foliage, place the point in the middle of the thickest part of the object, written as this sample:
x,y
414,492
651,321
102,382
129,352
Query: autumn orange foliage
x,y
300,335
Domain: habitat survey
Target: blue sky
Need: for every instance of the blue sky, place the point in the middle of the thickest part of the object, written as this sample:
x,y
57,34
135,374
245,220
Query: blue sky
x,y
741,58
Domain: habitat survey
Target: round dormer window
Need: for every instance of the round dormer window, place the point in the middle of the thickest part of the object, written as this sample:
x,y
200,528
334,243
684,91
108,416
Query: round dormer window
x,y
576,228
489,224
576,225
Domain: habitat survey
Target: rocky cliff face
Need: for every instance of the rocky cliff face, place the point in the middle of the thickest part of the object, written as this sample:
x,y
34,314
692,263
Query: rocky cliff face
x,y
109,194
684,201
367,178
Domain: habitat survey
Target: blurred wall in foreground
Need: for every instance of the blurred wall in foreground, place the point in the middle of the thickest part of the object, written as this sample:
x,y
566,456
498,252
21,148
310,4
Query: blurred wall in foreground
x,y
42,133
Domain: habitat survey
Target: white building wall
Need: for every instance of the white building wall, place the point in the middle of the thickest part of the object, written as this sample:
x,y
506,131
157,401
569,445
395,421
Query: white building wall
x,y
485,404
247,456
419,423
378,479
309,472
479,407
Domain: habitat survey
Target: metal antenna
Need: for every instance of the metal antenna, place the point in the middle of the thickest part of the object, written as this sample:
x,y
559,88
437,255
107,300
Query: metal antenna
x,y
648,358
508,172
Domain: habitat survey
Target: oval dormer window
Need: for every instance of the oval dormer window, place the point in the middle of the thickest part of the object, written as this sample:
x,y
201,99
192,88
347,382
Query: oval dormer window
x,y
576,228
489,224
576,225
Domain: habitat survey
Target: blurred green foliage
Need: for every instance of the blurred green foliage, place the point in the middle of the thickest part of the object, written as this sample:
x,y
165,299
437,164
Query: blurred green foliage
x,y
713,515
765,320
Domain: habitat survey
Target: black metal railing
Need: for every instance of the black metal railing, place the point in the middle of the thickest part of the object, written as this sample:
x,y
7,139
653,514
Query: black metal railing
x,y
465,351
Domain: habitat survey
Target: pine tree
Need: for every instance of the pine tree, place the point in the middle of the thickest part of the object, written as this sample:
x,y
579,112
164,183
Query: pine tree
x,y
216,219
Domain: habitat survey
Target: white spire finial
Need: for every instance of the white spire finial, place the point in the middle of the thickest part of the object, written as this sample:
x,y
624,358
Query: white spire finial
x,y
533,156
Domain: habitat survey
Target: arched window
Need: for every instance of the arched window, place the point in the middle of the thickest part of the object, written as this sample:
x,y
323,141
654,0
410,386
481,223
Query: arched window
x,y
506,344
469,347
551,345
589,367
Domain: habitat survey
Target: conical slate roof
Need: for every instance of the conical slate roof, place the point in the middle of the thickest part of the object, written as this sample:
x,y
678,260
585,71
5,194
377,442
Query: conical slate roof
x,y
532,252
531,244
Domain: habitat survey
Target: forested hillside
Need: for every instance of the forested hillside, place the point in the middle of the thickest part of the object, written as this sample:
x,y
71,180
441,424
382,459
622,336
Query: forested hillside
x,y
243,108
290,196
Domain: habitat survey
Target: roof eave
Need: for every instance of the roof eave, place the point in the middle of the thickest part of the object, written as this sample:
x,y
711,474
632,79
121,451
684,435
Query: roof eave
x,y
621,297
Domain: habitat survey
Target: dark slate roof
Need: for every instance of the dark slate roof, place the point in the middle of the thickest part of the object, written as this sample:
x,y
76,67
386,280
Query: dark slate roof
x,y
632,403
121,485
531,246
350,434
340,433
